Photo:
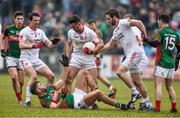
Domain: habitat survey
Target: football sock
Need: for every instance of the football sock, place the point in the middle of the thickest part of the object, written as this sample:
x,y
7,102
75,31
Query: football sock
x,y
19,96
134,90
173,105
158,104
28,94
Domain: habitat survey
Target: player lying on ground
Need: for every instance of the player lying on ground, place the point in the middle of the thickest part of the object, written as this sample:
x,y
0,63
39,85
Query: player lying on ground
x,y
80,99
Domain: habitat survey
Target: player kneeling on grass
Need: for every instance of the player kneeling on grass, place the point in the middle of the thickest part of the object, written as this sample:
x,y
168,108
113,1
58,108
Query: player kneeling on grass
x,y
80,99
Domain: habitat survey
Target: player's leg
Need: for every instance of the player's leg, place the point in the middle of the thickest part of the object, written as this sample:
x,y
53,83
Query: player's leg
x,y
72,72
127,80
158,91
16,86
33,77
86,78
172,94
93,73
21,78
91,98
46,72
104,79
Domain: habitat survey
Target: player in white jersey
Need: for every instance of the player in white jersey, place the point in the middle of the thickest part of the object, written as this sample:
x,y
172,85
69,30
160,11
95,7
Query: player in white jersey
x,y
125,35
77,37
31,39
136,75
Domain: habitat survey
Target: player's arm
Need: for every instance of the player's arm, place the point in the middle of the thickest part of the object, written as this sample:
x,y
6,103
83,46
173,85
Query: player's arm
x,y
23,45
150,41
99,45
68,48
108,45
58,105
139,24
2,37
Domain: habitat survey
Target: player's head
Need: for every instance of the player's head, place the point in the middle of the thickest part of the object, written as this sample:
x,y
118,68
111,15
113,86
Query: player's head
x,y
37,88
75,23
163,19
128,16
92,24
112,16
34,19
18,18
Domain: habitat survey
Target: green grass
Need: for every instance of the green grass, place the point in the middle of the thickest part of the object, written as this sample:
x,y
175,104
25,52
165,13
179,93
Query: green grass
x,y
10,108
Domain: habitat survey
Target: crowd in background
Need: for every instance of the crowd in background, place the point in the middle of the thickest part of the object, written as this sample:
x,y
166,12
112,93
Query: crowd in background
x,y
55,13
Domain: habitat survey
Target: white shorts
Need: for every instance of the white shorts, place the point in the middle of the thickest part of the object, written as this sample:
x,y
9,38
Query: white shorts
x,y
164,72
136,62
79,61
36,63
78,99
13,62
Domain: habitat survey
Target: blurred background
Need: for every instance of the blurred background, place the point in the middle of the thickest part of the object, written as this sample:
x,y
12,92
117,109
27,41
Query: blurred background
x,y
54,22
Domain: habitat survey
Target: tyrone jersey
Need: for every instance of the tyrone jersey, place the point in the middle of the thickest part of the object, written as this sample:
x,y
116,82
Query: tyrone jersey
x,y
11,33
54,96
125,35
29,35
169,39
80,39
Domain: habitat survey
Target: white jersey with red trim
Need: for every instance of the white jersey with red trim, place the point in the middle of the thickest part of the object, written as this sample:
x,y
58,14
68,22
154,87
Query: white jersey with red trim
x,y
127,37
80,39
31,36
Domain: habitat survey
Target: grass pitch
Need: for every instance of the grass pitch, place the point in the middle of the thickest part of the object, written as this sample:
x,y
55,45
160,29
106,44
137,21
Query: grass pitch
x,y
10,108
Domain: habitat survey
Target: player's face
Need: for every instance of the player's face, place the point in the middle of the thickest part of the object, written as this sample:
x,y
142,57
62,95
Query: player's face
x,y
159,23
41,88
92,26
76,26
110,20
19,20
35,21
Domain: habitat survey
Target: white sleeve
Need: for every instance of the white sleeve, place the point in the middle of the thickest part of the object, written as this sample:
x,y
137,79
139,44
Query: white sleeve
x,y
125,23
44,37
94,37
22,35
69,35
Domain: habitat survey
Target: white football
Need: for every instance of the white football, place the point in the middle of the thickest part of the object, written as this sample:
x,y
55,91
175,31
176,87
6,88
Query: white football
x,y
88,47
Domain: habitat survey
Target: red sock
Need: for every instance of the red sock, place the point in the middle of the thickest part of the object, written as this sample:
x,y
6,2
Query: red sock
x,y
19,96
173,105
158,104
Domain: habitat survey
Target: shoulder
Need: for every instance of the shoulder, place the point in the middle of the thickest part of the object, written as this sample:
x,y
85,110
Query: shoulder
x,y
71,32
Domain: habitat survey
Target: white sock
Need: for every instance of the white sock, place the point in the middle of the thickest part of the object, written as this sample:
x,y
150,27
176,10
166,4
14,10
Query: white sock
x,y
143,100
28,94
134,90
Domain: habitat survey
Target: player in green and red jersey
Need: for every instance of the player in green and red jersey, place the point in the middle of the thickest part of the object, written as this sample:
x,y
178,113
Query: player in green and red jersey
x,y
11,52
80,99
166,41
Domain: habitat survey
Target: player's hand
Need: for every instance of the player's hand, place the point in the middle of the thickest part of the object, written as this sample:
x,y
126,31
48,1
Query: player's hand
x,y
55,40
64,61
64,92
3,53
176,64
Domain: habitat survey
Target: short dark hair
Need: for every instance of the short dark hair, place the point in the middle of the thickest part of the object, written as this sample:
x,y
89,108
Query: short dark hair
x,y
129,16
33,87
112,13
30,15
18,13
164,18
91,21
74,19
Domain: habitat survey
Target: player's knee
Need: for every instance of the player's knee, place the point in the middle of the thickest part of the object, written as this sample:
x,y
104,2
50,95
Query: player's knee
x,y
14,77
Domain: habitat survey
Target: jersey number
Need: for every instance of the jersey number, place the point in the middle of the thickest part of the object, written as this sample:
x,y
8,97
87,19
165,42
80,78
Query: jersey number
x,y
170,43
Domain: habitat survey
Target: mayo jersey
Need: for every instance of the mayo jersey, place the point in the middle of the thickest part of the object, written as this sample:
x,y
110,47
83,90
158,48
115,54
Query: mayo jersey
x,y
31,36
80,39
126,36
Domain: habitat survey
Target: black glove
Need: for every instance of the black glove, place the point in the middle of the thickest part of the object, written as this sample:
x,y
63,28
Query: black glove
x,y
177,61
55,40
176,64
65,60
3,53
